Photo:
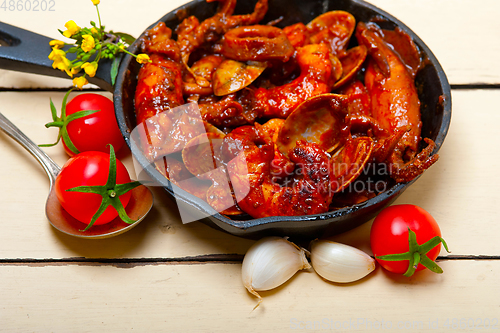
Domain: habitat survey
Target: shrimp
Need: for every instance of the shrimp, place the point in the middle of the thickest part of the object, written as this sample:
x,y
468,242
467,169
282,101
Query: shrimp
x,y
315,79
395,105
257,194
159,86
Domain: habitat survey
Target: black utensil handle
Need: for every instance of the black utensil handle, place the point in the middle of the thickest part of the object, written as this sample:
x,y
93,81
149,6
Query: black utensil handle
x,y
25,51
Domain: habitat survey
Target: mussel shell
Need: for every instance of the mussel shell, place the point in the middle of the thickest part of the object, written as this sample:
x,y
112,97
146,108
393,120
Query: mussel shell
x,y
320,119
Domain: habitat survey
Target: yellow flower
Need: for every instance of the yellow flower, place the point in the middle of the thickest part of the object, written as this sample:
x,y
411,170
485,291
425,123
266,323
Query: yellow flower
x,y
93,30
56,43
60,61
72,29
88,43
96,2
75,70
80,81
56,54
143,58
90,68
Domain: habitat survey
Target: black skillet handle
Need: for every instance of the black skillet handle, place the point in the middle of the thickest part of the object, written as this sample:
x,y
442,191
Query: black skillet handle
x,y
24,51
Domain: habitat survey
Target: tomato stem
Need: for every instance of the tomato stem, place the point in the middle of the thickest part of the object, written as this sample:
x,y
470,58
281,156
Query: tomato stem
x,y
417,254
63,121
110,192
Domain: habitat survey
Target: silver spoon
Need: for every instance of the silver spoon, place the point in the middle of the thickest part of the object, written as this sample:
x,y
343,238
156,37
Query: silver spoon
x,y
138,207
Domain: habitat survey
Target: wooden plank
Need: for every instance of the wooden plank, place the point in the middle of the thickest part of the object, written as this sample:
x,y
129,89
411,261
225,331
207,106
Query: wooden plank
x,y
211,298
459,191
460,35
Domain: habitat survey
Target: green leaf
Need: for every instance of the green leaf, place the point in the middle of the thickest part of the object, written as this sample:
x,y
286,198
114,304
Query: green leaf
x,y
117,204
395,257
80,114
411,266
63,107
431,265
431,243
50,144
68,142
89,189
111,183
125,37
124,188
99,212
114,69
53,110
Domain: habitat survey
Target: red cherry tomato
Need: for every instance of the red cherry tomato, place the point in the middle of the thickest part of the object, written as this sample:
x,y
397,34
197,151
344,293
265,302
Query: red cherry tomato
x,y
93,132
389,234
88,169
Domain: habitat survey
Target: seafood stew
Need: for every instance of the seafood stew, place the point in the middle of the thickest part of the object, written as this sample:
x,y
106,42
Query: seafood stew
x,y
352,146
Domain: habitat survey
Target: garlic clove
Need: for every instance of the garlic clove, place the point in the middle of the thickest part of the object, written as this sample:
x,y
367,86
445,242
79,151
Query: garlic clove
x,y
269,263
339,262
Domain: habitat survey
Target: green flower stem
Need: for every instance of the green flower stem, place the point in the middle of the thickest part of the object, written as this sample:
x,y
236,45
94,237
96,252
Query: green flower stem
x,y
98,16
125,51
417,254
101,35
110,192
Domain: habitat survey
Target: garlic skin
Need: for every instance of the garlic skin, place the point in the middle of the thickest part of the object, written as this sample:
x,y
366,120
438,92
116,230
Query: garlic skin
x,y
339,262
269,263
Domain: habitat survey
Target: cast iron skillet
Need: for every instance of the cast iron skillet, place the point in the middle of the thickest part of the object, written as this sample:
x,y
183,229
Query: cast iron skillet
x,y
27,52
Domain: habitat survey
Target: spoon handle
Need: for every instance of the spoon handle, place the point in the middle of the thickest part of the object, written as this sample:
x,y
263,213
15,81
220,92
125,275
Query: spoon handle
x,y
50,167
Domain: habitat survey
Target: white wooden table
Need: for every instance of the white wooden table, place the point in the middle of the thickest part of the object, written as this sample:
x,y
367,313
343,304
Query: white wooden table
x,y
166,276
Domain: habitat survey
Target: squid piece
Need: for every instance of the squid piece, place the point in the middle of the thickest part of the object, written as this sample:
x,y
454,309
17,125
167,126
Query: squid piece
x,y
258,195
191,34
315,79
297,34
395,104
258,43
